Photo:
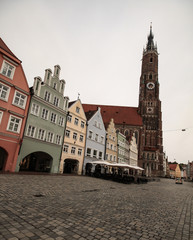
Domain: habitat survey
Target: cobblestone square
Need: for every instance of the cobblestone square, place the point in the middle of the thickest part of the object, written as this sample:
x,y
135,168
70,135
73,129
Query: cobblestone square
x,y
76,207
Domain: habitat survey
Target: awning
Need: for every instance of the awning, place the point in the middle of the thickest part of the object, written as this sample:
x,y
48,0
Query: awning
x,y
123,165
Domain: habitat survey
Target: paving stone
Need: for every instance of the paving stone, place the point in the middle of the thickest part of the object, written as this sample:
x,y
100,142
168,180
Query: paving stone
x,y
69,209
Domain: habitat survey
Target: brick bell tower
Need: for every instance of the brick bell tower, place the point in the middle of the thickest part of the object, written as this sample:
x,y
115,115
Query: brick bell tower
x,y
149,108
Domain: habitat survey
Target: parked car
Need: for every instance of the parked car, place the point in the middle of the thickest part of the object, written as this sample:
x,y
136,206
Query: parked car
x,y
179,180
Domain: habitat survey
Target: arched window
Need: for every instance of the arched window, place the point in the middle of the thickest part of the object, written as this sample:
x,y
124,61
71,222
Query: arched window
x,y
150,76
151,60
136,136
126,132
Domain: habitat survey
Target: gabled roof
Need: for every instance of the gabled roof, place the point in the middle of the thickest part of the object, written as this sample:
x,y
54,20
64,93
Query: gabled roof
x,y
5,48
121,115
90,114
71,103
173,166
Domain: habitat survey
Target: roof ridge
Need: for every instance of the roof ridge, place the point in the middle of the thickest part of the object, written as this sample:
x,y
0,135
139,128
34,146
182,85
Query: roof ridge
x,y
4,46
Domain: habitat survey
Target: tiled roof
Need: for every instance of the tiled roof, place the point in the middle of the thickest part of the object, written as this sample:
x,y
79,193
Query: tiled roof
x,y
5,48
121,115
173,166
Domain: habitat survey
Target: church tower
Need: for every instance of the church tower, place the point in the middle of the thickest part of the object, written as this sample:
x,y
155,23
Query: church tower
x,y
149,108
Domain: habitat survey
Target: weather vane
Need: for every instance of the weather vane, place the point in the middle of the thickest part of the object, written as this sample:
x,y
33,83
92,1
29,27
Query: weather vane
x,y
78,95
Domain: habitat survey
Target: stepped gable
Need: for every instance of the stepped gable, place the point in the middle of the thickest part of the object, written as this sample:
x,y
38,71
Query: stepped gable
x,y
6,49
120,114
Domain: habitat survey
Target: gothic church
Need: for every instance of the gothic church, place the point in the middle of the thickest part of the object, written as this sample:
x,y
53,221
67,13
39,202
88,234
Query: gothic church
x,y
146,119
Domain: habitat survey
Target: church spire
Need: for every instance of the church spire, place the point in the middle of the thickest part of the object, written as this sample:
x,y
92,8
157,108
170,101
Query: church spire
x,y
150,43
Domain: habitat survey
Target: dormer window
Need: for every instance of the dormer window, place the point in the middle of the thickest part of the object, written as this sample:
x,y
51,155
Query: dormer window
x,y
77,109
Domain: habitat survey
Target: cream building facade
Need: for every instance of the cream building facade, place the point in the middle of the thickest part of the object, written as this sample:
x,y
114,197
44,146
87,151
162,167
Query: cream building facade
x,y
133,152
111,142
74,139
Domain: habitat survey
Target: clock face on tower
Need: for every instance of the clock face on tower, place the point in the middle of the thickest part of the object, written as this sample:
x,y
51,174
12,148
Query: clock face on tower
x,y
150,85
149,110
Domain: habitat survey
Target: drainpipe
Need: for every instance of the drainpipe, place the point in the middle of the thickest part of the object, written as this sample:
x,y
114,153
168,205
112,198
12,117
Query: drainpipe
x,y
31,93
63,141
85,147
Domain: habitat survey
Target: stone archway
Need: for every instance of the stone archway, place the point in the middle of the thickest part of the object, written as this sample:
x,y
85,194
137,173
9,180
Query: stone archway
x,y
71,166
36,162
3,158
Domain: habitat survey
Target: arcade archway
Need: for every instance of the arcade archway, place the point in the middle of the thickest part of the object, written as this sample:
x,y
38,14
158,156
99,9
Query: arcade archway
x,y
3,158
71,166
36,162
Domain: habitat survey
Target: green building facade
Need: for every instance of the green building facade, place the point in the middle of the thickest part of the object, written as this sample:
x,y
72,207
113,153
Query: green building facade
x,y
41,148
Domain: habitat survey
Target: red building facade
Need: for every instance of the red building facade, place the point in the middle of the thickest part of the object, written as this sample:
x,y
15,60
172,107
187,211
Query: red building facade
x,y
14,103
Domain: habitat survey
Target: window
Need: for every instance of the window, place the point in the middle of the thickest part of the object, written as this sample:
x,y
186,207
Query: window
x,y
114,158
14,124
41,134
1,116
37,85
99,125
50,137
115,148
81,138
4,92
54,85
95,153
151,60
47,96
53,118
56,101
95,123
19,99
107,156
69,118
90,135
31,131
79,151
35,109
45,114
65,148
96,137
88,152
7,69
111,157
67,133
82,124
102,139
77,109
76,121
100,155
75,136
73,150
111,146
58,139
61,121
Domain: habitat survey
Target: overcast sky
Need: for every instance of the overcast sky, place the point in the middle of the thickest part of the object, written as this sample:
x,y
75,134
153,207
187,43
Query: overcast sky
x,y
99,43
